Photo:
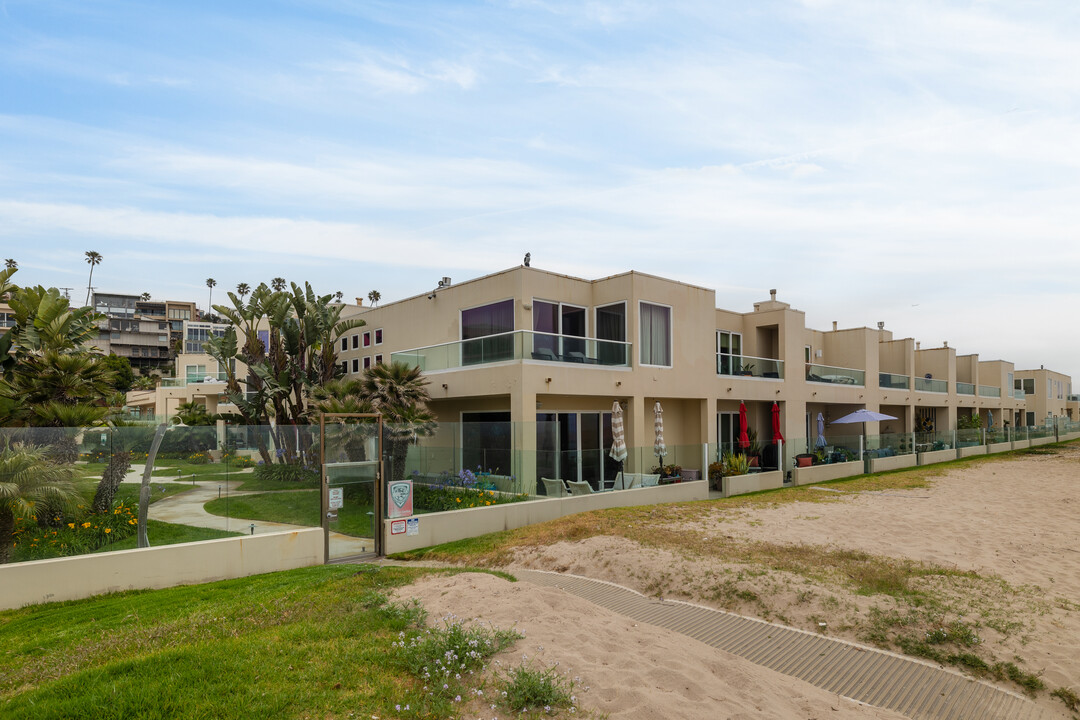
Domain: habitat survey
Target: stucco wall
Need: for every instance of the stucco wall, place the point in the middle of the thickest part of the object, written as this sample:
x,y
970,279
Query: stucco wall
x,y
72,578
895,462
742,484
824,473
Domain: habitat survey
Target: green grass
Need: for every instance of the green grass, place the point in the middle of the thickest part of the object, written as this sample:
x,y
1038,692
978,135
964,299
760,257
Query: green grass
x,y
199,471
253,482
310,643
129,492
300,507
163,533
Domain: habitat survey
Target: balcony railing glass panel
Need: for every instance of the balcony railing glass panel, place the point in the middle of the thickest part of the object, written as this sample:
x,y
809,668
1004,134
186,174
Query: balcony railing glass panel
x,y
749,366
835,375
931,385
1019,393
516,346
963,388
989,391
892,381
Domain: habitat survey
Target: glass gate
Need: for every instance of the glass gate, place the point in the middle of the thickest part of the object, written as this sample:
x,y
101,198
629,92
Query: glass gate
x,y
352,485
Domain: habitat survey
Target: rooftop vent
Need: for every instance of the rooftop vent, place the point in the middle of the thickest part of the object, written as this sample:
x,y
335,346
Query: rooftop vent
x,y
445,282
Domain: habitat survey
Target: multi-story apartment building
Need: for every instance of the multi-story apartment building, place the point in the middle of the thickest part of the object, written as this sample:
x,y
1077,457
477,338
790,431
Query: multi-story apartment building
x,y
145,332
535,360
1049,395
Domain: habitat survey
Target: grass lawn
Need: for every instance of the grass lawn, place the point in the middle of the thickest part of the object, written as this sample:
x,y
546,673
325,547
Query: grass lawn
x,y
189,469
309,643
129,492
300,507
163,533
253,482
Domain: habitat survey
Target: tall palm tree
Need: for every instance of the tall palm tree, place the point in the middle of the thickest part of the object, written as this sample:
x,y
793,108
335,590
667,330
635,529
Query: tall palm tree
x,y
243,289
278,284
10,264
374,297
93,259
144,297
210,283
339,295
30,480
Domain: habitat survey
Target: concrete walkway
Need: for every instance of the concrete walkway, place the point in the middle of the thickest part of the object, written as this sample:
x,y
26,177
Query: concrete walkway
x,y
917,689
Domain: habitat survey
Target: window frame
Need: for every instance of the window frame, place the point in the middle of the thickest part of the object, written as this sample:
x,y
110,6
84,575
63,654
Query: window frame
x,y
670,338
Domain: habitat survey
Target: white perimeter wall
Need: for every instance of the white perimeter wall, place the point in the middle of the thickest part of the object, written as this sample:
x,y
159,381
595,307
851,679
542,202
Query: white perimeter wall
x,y
81,576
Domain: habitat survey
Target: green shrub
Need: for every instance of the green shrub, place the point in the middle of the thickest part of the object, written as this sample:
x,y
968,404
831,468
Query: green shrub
x,y
198,458
278,472
78,534
526,688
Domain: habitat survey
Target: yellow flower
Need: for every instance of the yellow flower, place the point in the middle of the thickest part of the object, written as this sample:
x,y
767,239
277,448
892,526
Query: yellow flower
x,y
71,525
108,530
86,524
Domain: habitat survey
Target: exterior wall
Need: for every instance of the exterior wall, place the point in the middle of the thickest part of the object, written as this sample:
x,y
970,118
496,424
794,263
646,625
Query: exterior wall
x,y
73,578
1047,382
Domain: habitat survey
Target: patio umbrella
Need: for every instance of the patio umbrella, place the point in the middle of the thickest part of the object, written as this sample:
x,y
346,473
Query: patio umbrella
x,y
820,442
862,416
776,435
618,435
744,439
989,418
659,448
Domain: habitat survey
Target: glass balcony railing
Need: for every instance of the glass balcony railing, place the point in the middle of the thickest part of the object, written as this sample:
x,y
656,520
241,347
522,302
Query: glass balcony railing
x,y
989,391
749,366
892,381
218,377
835,375
930,385
963,388
1072,398
516,346
1019,393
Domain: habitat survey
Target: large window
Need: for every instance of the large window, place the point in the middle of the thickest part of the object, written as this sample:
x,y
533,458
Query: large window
x,y
556,327
575,446
486,442
486,332
655,334
1025,384
611,325
729,352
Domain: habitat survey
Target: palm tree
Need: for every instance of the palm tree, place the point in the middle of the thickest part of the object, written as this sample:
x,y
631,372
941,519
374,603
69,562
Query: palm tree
x,y
93,259
10,264
399,392
144,297
210,283
30,479
339,295
243,289
278,284
374,297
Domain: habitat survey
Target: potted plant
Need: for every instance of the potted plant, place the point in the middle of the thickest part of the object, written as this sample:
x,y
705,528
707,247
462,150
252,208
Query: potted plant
x,y
733,464
716,475
669,473
745,369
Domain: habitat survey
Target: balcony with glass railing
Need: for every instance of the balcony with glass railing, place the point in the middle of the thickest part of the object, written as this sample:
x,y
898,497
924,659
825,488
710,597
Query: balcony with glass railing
x,y
923,384
963,388
893,381
835,375
749,366
514,347
1072,398
989,391
1019,393
193,379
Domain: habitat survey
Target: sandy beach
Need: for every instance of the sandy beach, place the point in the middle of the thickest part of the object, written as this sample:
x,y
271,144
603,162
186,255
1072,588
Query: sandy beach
x,y
999,540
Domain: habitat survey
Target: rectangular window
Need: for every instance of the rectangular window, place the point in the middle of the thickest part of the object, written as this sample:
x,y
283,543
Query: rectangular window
x,y
344,344
729,352
487,331
808,352
356,364
378,359
556,327
355,341
611,327
367,339
655,334
378,336
367,362
486,439
344,367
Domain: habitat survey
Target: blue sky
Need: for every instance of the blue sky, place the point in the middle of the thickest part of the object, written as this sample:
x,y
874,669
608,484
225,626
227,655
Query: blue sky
x,y
914,162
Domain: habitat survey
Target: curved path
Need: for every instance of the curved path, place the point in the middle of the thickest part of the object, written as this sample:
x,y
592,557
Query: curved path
x,y
917,689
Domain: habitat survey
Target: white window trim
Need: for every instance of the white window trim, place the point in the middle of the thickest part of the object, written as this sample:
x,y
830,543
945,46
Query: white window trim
x,y
730,354
365,341
376,336
378,360
671,334
344,344
367,362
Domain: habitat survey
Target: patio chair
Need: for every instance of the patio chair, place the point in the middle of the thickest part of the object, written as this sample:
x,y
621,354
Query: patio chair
x,y
554,488
578,357
580,487
631,481
650,480
545,354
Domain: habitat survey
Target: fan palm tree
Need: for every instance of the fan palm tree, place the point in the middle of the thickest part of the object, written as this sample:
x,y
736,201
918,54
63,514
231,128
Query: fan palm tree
x,y
374,297
28,479
210,283
93,259
10,264
278,284
144,297
399,393
339,295
243,289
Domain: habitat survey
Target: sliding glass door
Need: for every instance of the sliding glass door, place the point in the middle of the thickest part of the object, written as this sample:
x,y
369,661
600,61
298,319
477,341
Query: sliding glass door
x,y
573,446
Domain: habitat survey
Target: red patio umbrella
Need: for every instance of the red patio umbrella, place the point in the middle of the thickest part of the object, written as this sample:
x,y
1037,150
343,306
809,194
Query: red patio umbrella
x,y
776,435
744,439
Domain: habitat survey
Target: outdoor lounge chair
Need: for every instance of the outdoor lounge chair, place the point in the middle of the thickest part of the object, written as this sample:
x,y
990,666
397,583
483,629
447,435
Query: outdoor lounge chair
x,y
650,480
631,481
545,354
554,488
580,487
578,357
